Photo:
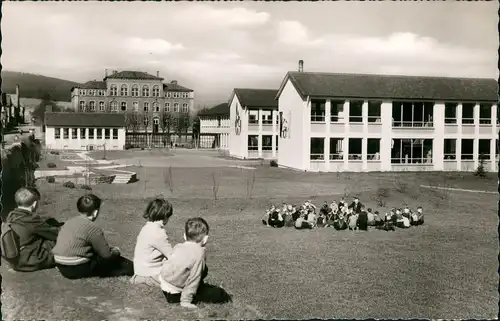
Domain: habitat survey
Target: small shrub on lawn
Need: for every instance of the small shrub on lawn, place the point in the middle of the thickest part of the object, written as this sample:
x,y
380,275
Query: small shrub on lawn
x,y
50,179
53,152
85,187
380,196
400,185
273,163
480,171
142,148
51,165
69,184
129,146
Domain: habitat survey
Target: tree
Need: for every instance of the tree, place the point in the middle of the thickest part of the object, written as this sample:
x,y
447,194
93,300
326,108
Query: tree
x,y
147,120
39,112
196,130
166,123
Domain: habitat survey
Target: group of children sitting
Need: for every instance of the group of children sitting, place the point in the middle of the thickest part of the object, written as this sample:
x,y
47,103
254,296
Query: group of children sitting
x,y
79,249
341,216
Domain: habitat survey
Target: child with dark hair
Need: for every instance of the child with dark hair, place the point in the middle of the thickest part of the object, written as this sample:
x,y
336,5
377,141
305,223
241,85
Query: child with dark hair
x,y
152,246
36,235
81,249
295,213
276,219
324,209
302,223
417,218
363,219
182,275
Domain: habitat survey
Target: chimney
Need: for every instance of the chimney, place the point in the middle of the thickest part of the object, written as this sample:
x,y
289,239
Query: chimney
x,y
174,82
301,65
106,72
157,73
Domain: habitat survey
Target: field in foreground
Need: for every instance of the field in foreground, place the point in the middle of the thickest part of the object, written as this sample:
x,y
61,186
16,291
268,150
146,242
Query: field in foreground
x,y
444,269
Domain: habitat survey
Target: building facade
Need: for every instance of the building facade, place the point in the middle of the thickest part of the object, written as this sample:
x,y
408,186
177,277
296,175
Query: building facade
x,y
254,123
84,131
155,106
345,122
215,127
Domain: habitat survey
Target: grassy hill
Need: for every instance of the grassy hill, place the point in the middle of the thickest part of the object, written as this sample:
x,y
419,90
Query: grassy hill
x,y
35,86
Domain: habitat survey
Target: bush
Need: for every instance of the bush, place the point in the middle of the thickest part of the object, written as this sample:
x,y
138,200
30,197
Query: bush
x,y
69,184
54,152
50,179
142,148
381,194
129,146
51,165
273,163
85,187
480,170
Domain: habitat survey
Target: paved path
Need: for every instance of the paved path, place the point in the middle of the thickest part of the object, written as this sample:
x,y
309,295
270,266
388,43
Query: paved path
x,y
458,189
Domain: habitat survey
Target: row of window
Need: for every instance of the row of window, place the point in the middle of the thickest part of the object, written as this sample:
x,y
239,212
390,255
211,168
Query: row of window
x,y
403,151
267,142
83,133
113,106
404,114
124,89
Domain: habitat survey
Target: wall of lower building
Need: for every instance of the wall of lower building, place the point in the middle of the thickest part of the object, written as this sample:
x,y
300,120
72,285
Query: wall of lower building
x,y
238,142
83,144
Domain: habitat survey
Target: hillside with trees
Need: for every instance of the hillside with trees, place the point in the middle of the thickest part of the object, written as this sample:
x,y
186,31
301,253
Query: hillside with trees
x,y
37,86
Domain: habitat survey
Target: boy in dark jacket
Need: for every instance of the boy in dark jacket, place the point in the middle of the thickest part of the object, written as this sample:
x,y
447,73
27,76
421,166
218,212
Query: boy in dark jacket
x,y
37,235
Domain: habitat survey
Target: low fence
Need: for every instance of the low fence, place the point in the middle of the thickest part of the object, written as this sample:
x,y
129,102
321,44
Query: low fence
x,y
157,140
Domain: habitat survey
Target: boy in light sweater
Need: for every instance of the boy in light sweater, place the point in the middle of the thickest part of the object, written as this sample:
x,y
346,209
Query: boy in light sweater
x,y
182,275
152,247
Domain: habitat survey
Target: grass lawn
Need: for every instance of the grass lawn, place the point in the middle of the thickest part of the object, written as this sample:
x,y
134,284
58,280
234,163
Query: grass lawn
x,y
446,268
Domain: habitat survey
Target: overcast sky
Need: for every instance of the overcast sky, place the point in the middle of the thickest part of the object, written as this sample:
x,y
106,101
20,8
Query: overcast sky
x,y
214,47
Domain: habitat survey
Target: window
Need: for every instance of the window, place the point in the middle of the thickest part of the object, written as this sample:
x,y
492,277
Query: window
x,y
92,106
253,142
57,133
91,133
113,91
82,133
123,106
176,107
185,108
411,151
124,90
146,106
82,106
337,111
82,92
167,107
101,106
336,148
355,148
484,149
467,149
169,94
74,133
135,91
113,105
145,91
218,121
267,117
115,133
135,106
355,111
267,142
485,114
156,125
450,113
99,133
106,133
498,115
408,114
317,148
253,116
65,133
91,92
156,107
156,91
373,149
450,149
374,111
318,110
468,114
175,95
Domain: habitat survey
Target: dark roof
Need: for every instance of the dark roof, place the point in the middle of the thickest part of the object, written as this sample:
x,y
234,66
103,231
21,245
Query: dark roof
x,y
392,87
72,119
256,97
127,74
175,87
93,84
220,109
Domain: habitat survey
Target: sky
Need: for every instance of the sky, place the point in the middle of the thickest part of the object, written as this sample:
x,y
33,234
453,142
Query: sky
x,y
214,47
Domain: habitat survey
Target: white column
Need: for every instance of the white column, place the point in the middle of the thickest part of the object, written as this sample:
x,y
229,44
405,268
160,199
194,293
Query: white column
x,y
273,140
346,135
438,139
328,113
306,135
386,137
459,137
494,134
364,143
476,136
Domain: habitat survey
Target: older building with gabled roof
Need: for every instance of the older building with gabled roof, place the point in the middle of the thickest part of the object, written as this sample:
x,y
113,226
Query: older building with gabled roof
x,y
254,123
358,122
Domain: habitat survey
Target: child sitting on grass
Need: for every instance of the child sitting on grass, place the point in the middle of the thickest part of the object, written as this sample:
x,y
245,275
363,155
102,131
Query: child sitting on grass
x,y
302,223
152,246
81,249
276,219
36,235
182,275
417,218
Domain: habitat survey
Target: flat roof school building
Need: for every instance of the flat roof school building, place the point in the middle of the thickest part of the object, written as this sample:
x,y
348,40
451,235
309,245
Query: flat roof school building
x,y
254,123
215,127
351,122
